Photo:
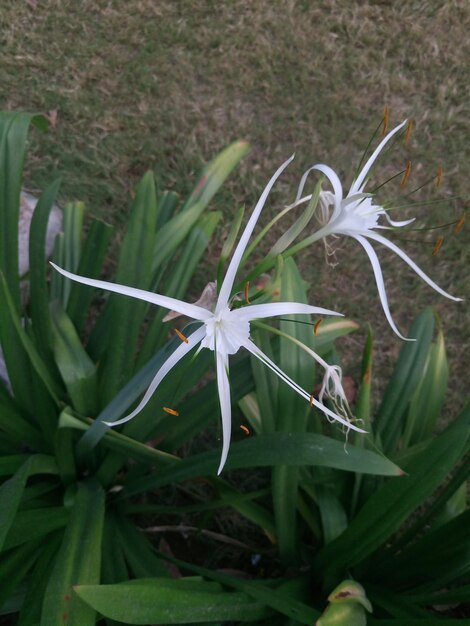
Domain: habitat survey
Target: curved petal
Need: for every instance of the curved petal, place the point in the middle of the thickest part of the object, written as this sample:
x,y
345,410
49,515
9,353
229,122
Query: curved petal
x,y
272,309
398,224
223,387
399,252
227,284
193,340
335,183
251,347
191,310
359,182
380,283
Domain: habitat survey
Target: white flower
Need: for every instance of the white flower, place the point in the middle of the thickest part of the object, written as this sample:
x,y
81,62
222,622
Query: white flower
x,y
223,330
356,215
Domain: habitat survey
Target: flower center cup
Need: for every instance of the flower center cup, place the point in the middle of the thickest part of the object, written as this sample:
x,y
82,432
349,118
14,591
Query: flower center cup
x,y
226,332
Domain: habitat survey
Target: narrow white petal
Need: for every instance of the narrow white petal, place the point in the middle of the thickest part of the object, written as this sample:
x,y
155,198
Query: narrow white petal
x,y
227,284
251,347
223,386
191,310
398,224
193,340
358,183
380,282
335,183
399,252
273,309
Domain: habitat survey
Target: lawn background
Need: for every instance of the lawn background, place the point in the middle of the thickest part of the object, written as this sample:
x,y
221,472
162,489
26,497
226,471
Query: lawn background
x,y
139,84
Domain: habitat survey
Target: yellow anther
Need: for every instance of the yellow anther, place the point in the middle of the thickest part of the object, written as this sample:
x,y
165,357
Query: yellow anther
x,y
385,121
315,327
312,399
409,130
439,175
458,227
247,287
181,336
438,245
170,411
406,175
245,429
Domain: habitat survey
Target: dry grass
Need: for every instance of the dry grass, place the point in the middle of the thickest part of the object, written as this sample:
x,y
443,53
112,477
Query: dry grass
x,y
139,84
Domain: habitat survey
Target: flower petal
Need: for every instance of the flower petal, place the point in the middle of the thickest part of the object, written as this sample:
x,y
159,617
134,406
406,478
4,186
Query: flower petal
x,y
360,180
399,252
272,309
191,310
335,183
223,386
227,284
380,282
171,361
251,347
400,223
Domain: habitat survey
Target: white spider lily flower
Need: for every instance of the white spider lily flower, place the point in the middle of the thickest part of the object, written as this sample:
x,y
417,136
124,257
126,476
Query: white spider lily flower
x,y
356,215
223,330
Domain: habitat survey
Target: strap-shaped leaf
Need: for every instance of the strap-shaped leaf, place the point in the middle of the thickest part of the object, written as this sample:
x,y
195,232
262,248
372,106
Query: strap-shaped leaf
x,y
78,560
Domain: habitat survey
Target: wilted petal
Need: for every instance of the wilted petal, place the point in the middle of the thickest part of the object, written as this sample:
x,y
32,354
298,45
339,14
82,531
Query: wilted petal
x,y
223,386
191,310
251,347
193,340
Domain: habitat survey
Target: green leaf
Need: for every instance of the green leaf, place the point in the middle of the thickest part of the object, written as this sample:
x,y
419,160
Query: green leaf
x,y
293,449
39,300
91,262
11,491
13,133
396,500
78,560
164,601
229,243
133,270
76,368
34,524
389,422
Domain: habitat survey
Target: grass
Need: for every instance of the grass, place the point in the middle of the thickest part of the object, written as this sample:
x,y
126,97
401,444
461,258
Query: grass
x,y
140,84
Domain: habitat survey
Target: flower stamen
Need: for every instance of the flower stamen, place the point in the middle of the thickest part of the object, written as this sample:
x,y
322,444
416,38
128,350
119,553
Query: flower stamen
x,y
245,429
245,291
170,411
406,175
408,132
459,225
385,121
315,327
438,245
181,336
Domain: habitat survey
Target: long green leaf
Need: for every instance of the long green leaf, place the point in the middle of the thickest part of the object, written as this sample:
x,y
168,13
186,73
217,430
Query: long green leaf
x,y
78,560
396,500
164,601
293,449
12,490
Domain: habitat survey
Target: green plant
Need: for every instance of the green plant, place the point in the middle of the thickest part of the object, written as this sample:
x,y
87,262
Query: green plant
x,y
74,492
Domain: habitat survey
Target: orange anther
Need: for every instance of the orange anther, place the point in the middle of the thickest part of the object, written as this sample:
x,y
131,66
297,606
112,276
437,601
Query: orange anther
x,y
385,121
181,336
315,327
438,245
247,286
312,399
245,429
406,175
170,411
409,130
458,227
439,175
